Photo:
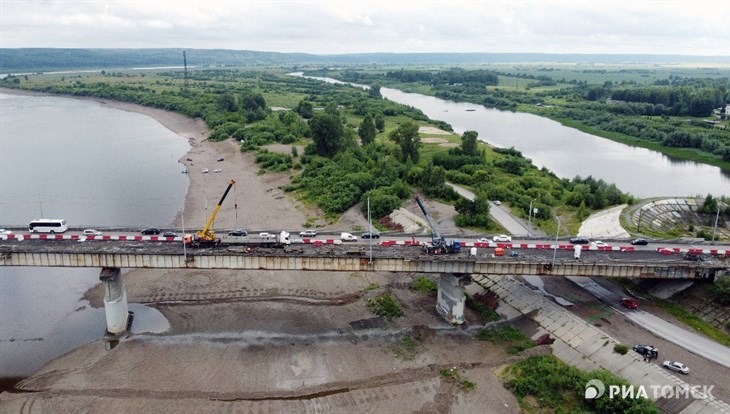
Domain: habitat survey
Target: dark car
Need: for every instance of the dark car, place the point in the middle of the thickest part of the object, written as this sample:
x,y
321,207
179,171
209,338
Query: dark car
x,y
646,350
629,303
151,230
238,233
369,235
169,234
639,242
579,240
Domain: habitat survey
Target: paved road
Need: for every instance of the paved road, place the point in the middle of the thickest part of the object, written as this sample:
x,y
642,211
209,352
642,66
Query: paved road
x,y
501,215
688,340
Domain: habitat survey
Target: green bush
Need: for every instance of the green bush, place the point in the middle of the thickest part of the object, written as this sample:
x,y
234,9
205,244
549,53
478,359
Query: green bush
x,y
620,349
384,305
424,285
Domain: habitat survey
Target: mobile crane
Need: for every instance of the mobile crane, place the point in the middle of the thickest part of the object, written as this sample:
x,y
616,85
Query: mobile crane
x,y
439,245
206,237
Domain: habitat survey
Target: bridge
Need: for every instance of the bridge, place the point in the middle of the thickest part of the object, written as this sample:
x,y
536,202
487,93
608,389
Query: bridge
x,y
455,270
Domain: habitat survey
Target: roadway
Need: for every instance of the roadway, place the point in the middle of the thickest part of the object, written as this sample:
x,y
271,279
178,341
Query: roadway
x,y
688,340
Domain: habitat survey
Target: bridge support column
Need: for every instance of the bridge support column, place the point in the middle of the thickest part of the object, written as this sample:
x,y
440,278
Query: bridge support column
x,y
115,301
451,297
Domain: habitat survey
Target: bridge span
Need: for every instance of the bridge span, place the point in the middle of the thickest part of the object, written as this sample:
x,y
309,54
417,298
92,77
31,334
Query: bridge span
x,y
455,270
358,258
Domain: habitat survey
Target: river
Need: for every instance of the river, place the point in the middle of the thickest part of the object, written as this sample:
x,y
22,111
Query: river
x,y
94,166
569,152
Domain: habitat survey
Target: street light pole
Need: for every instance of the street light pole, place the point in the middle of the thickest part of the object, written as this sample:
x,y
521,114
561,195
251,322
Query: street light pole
x,y
370,232
555,247
529,220
717,216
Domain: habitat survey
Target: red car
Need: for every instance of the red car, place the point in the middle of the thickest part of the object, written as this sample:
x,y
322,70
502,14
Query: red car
x,y
629,303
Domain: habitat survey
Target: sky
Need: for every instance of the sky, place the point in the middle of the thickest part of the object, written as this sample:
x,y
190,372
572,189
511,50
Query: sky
x,y
335,27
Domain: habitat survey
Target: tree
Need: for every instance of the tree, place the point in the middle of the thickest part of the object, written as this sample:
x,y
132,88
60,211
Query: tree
x,y
227,102
305,109
469,142
407,137
327,133
367,131
380,122
374,91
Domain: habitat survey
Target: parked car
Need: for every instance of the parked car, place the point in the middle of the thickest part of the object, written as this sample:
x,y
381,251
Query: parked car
x,y
497,203
308,233
639,242
579,240
92,232
3,231
502,238
267,235
369,235
169,234
676,367
645,349
348,237
238,233
599,243
483,240
151,230
629,303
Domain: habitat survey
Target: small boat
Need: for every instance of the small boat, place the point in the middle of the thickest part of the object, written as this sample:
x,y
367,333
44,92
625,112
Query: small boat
x,y
205,170
184,171
217,170
470,110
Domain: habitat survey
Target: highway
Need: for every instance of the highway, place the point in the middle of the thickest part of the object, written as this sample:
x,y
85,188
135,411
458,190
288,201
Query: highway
x,y
688,340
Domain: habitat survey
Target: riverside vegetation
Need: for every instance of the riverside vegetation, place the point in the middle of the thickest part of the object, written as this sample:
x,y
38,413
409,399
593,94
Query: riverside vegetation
x,y
357,145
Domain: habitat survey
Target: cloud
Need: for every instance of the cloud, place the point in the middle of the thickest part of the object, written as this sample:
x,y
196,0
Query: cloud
x,y
328,27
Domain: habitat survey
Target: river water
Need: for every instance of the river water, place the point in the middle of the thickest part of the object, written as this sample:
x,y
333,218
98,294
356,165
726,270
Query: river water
x,y
569,152
94,166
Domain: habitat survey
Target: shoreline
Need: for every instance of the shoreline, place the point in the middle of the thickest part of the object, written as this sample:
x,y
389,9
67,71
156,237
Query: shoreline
x,y
243,207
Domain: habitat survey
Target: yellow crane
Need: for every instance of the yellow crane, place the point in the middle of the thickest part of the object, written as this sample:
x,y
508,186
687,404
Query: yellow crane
x,y
206,237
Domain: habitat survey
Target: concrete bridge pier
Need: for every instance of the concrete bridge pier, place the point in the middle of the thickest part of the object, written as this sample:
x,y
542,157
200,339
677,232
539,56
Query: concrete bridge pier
x,y
115,301
451,298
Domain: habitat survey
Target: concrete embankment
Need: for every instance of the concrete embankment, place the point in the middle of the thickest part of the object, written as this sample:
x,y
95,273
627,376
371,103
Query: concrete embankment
x,y
588,348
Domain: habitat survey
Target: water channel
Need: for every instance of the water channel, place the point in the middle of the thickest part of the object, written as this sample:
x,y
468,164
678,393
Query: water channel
x,y
568,152
94,166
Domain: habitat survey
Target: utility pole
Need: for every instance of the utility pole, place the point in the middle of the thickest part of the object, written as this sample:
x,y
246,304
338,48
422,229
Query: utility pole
x,y
185,65
529,221
370,232
185,252
717,216
555,248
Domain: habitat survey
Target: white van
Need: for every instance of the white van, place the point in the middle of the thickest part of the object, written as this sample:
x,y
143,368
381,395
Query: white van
x,y
348,237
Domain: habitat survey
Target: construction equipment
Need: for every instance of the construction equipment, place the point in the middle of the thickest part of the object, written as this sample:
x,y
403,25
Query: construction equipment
x,y
439,245
206,237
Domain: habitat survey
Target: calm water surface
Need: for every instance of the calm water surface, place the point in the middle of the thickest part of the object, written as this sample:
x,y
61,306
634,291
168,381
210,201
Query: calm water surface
x,y
568,152
94,166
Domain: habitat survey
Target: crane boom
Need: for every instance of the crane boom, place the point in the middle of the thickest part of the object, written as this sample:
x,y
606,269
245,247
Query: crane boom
x,y
207,232
435,235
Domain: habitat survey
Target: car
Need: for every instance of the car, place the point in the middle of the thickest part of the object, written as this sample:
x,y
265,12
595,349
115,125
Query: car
x,y
645,350
502,238
151,231
3,231
483,240
598,243
369,235
345,237
169,234
238,233
676,367
220,159
92,232
639,242
266,235
205,170
497,203
308,233
629,303
579,240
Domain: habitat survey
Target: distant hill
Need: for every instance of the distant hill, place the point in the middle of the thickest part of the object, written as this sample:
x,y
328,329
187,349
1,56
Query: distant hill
x,y
44,59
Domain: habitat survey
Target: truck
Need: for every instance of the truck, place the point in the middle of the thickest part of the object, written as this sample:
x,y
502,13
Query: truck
x,y
206,237
439,245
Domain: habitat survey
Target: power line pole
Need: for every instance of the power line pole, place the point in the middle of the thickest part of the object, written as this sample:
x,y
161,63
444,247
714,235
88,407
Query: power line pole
x,y
185,65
